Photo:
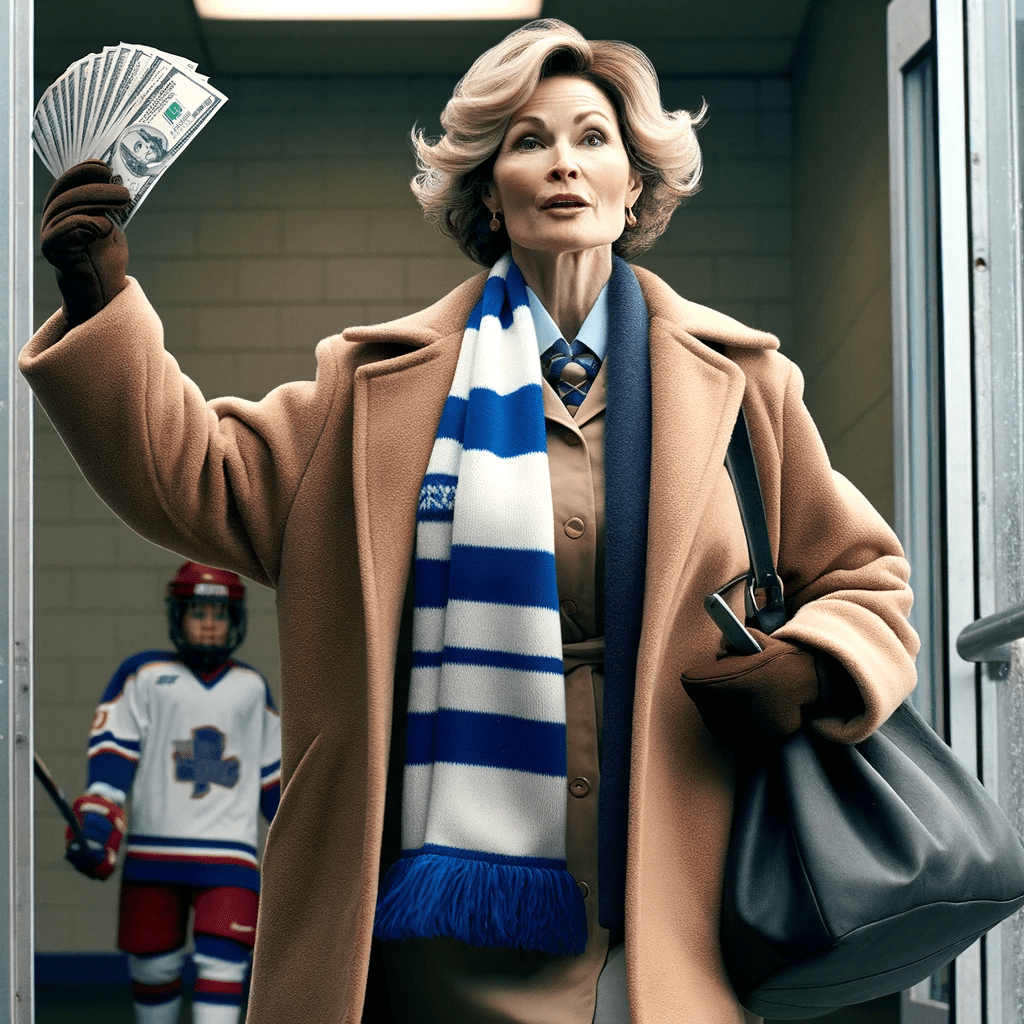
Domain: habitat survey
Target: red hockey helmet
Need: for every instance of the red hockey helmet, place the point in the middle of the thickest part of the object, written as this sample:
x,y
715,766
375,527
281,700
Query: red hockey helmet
x,y
202,584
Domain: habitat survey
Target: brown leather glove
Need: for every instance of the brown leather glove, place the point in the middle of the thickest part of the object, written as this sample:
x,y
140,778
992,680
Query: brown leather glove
x,y
764,698
82,242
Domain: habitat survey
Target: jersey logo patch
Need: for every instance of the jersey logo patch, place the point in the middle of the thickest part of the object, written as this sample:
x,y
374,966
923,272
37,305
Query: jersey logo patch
x,y
165,680
201,761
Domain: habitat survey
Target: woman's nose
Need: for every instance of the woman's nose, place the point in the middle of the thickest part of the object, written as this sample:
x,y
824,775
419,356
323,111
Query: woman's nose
x,y
564,166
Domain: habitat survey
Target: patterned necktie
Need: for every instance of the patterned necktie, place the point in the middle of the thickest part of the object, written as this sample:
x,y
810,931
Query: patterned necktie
x,y
570,369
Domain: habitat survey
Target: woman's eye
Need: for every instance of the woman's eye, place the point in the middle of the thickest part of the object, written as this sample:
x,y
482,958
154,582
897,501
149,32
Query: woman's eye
x,y
593,139
528,142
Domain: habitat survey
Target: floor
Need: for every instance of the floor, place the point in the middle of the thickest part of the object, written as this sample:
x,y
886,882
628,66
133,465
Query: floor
x,y
91,1004
878,1011
101,1004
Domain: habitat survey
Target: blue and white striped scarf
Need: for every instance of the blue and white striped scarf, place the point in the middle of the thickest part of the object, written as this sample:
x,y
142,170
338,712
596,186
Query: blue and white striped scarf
x,y
484,801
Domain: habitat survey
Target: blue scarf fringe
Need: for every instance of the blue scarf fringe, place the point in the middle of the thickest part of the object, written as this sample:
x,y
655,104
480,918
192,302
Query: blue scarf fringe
x,y
482,904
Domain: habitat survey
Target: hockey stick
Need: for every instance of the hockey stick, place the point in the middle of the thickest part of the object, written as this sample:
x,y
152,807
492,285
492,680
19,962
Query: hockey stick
x,y
51,787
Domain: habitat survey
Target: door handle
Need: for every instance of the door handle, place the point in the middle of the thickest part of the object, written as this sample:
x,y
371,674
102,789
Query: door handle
x,y
989,639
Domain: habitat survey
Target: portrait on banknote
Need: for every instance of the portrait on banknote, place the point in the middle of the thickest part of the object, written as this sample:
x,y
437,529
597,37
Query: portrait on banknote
x,y
143,150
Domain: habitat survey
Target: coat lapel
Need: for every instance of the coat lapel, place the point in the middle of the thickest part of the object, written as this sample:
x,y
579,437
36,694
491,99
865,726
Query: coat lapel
x,y
397,405
696,395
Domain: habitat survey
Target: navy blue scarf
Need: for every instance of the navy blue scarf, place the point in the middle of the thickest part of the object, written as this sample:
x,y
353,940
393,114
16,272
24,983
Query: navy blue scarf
x,y
627,466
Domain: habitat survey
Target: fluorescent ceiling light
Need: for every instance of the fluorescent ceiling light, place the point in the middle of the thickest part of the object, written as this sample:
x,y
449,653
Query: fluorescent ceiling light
x,y
367,10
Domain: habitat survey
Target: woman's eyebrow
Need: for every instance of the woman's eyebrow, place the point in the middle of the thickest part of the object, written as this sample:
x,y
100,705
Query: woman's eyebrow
x,y
595,112
535,119
528,119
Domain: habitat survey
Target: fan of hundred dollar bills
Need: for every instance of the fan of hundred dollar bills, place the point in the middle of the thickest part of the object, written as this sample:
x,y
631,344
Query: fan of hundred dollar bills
x,y
133,107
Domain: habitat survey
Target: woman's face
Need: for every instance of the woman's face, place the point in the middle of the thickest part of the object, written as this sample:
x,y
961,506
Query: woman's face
x,y
562,177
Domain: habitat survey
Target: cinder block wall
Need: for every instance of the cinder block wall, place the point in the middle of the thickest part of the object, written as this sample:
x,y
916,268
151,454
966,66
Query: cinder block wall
x,y
842,329
288,219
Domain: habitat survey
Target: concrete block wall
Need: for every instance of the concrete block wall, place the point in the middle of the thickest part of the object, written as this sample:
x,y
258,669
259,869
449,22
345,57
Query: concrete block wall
x,y
288,219
842,333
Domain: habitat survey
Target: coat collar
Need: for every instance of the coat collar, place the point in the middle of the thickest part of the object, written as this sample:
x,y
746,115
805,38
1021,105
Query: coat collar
x,y
448,316
397,403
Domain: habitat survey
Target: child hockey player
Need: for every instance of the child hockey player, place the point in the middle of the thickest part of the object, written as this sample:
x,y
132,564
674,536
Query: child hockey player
x,y
194,737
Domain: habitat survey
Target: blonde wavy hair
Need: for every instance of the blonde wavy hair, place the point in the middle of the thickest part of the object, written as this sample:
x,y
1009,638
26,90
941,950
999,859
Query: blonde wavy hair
x,y
456,168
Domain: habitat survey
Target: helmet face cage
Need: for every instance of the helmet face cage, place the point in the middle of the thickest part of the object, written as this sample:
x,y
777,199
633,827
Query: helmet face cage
x,y
196,584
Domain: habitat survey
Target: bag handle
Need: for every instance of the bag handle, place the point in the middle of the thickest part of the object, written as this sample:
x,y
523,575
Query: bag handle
x,y
742,468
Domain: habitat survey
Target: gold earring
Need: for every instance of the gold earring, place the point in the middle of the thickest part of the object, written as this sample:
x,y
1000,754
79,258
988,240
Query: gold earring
x,y
495,224
630,217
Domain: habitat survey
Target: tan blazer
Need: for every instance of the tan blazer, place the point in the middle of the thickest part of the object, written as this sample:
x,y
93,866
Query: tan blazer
x,y
313,491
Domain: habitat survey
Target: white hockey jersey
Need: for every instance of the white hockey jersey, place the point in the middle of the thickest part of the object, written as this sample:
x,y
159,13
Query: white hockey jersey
x,y
200,760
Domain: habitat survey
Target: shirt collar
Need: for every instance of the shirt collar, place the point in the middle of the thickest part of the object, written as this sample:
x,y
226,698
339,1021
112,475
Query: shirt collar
x,y
593,333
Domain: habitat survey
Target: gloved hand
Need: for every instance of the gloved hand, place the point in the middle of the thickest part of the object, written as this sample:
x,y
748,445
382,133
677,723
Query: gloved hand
x,y
82,242
104,825
759,699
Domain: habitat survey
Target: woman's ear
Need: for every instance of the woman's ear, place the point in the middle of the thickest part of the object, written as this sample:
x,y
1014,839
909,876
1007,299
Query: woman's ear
x,y
490,199
636,186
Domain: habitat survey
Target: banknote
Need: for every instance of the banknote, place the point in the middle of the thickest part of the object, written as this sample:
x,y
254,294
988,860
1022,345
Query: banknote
x,y
167,121
134,107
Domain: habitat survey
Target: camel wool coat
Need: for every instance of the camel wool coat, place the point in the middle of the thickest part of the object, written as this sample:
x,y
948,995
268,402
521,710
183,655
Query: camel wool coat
x,y
313,491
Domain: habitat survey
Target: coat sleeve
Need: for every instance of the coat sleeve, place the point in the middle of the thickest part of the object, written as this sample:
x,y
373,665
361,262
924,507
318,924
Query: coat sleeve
x,y
843,569
213,481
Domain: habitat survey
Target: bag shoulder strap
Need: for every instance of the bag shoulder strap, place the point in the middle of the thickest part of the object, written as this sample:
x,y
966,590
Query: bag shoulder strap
x,y
742,467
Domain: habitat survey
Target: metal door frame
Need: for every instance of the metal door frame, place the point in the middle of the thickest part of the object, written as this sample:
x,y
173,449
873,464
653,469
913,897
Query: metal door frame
x,y
998,335
16,796
914,25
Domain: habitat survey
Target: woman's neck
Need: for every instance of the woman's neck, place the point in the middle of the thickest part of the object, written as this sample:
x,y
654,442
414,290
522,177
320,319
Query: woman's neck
x,y
567,283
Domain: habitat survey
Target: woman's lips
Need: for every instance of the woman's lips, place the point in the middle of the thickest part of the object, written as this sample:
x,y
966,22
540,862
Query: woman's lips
x,y
566,201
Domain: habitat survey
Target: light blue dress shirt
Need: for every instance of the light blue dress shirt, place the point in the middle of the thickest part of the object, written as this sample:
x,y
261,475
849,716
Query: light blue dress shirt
x,y
593,333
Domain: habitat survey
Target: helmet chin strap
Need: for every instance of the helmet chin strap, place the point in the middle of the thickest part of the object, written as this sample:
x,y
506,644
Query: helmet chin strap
x,y
205,661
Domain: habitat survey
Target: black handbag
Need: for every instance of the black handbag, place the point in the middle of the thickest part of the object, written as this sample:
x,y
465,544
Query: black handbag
x,y
853,871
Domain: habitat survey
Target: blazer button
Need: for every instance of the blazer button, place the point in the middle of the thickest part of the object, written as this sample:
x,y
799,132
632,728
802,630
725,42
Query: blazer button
x,y
572,439
574,527
584,888
569,607
579,787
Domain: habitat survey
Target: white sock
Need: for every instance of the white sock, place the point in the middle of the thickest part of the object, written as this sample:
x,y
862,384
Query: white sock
x,y
215,1013
159,1013
226,978
150,975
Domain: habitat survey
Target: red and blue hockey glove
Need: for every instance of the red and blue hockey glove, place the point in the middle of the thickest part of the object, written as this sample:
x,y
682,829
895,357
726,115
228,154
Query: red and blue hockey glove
x,y
104,825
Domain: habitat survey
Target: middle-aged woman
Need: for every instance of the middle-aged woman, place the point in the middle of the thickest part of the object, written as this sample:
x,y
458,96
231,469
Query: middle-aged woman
x,y
490,527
